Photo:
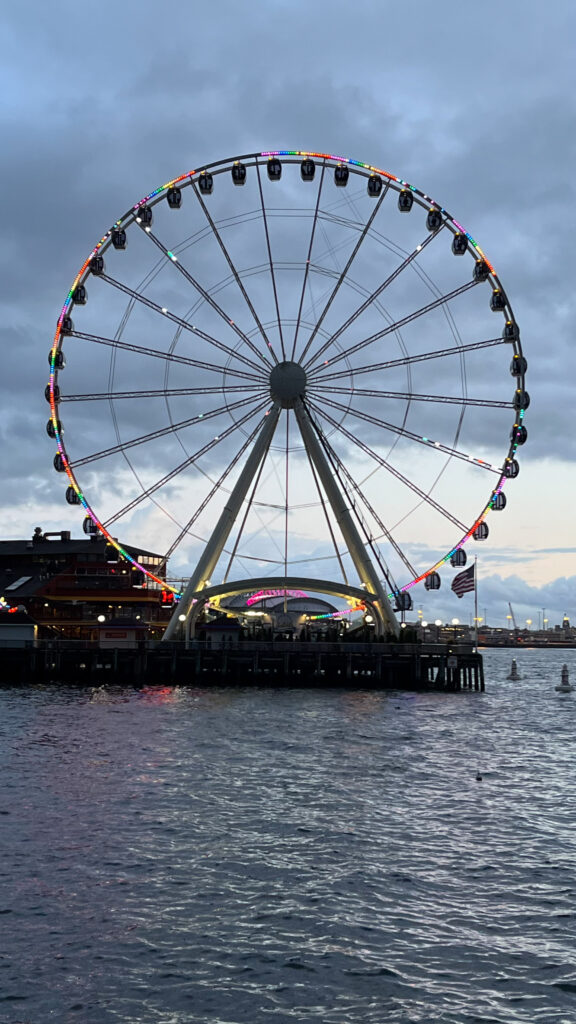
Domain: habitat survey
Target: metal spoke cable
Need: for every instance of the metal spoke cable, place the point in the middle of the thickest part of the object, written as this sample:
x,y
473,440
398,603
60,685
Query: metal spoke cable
x,y
409,435
372,511
162,432
357,442
183,465
196,331
286,491
205,295
237,277
308,258
440,353
372,297
100,396
398,324
364,527
245,517
344,272
414,396
329,525
170,357
270,260
215,488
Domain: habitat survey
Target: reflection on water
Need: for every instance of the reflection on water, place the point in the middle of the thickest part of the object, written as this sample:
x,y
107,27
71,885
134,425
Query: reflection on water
x,y
183,855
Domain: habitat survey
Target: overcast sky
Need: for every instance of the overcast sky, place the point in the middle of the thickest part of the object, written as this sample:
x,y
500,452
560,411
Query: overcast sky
x,y
473,103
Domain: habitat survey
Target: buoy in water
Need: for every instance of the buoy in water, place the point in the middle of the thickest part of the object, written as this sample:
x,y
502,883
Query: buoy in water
x,y
478,777
513,673
564,686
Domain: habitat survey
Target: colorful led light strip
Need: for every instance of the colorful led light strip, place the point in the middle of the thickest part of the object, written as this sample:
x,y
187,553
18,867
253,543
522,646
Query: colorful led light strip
x,y
263,595
338,615
130,216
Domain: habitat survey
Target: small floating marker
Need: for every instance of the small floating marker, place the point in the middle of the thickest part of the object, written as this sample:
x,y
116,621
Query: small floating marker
x,y
478,777
513,673
564,686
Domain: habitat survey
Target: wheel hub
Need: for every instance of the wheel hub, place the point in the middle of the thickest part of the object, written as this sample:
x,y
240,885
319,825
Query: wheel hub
x,y
287,383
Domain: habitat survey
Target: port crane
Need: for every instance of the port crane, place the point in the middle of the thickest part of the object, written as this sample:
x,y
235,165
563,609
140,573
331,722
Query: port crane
x,y
513,617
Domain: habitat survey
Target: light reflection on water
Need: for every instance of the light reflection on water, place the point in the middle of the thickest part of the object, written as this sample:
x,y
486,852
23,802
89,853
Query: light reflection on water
x,y
180,855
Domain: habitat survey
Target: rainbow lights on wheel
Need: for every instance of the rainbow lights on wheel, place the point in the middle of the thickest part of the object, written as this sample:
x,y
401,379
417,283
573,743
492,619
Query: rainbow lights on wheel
x,y
386,320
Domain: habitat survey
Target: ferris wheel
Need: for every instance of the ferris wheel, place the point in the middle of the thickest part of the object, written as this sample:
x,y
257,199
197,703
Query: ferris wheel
x,y
289,364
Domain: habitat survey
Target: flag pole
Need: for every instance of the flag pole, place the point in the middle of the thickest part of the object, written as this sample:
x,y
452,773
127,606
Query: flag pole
x,y
476,601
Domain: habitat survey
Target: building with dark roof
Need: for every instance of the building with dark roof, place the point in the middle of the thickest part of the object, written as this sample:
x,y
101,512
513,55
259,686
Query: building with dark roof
x,y
69,587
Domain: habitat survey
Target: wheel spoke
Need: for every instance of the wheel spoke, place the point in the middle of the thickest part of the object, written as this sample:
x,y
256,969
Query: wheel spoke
x,y
309,257
237,277
344,273
339,472
372,297
183,465
205,295
163,431
245,517
411,396
357,442
270,260
396,326
372,511
196,331
215,488
328,523
101,396
169,357
390,364
409,435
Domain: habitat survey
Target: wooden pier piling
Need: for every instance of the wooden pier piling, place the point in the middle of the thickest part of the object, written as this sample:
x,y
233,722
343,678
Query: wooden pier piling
x,y
281,663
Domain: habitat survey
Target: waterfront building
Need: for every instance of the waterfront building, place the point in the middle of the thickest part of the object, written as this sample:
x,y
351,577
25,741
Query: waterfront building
x,y
74,588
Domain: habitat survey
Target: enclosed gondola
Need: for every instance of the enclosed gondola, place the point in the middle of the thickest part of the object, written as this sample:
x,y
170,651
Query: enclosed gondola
x,y
52,427
374,186
481,270
341,175
274,168
307,169
174,198
433,219
144,216
206,183
238,173
72,496
497,301
519,434
458,558
459,244
59,359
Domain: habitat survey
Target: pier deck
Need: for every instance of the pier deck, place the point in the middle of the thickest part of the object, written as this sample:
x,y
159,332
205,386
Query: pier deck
x,y
277,664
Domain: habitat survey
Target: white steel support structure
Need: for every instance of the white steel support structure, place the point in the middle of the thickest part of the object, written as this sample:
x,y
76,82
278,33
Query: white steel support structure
x,y
358,553
287,390
200,578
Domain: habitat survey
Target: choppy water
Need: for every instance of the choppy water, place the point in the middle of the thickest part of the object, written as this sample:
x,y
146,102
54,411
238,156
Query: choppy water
x,y
174,856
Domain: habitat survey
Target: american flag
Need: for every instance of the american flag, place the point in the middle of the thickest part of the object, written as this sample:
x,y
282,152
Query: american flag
x,y
464,581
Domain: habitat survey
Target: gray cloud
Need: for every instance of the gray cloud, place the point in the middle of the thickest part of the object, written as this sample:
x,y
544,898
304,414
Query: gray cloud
x,y
473,105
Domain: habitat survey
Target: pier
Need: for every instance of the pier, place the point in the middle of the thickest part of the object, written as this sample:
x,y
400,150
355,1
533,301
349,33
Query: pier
x,y
381,666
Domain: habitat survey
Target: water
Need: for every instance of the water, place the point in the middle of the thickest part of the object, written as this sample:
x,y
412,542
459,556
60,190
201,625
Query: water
x,y
172,855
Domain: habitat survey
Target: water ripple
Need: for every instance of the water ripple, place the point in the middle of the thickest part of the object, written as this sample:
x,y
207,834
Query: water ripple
x,y
175,855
